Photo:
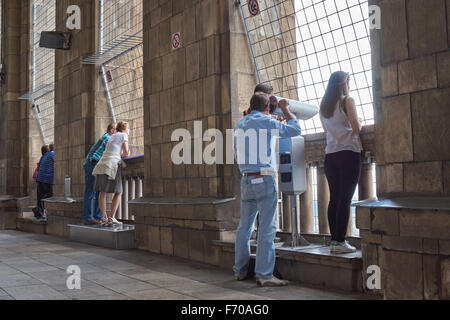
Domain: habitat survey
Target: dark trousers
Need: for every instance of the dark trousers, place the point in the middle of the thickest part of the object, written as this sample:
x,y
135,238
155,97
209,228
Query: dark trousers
x,y
343,170
44,191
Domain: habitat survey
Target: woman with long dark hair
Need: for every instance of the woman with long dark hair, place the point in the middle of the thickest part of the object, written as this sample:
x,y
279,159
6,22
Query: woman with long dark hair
x,y
343,156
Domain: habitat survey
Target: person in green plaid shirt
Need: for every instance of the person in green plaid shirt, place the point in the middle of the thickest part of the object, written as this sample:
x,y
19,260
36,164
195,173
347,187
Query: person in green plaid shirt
x,y
93,157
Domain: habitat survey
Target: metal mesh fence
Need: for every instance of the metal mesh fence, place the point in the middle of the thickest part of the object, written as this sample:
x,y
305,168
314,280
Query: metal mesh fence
x,y
43,71
298,44
124,72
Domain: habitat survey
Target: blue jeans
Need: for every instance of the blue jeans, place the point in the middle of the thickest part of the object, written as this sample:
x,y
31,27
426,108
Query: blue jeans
x,y
262,199
90,195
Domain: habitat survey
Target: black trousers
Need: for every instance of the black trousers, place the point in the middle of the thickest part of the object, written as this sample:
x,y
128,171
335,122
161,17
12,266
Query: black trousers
x,y
343,170
44,191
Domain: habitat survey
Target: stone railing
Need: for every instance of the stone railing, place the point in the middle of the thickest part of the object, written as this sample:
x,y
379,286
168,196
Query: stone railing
x,y
315,157
133,181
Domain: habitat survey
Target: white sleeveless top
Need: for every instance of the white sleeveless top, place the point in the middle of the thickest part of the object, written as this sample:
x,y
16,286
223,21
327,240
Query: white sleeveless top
x,y
340,135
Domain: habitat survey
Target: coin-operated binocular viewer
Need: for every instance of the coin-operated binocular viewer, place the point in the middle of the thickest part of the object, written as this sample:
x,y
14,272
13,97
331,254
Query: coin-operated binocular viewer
x,y
292,165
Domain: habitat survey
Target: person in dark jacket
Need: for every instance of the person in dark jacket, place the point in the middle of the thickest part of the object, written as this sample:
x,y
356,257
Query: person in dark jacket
x,y
44,151
45,181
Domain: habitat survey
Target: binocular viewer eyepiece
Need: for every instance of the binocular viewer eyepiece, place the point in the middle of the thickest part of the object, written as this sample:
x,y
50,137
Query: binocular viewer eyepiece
x,y
300,110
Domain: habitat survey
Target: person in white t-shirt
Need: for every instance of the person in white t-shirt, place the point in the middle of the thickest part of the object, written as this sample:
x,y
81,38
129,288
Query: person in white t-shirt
x,y
108,172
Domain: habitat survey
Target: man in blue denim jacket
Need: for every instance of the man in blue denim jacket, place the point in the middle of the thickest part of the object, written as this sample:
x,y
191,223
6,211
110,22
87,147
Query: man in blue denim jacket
x,y
255,148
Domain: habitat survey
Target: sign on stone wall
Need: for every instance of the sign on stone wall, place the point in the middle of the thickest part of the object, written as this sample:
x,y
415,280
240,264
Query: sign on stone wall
x,y
176,40
253,7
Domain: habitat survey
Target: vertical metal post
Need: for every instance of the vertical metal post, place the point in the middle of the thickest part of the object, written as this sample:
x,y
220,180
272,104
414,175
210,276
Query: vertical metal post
x,y
250,39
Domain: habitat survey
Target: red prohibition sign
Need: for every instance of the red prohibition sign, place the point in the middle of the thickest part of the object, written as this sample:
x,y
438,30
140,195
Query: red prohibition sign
x,y
176,40
253,7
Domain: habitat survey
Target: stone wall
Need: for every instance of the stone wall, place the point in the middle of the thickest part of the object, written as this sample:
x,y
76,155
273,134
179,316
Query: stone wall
x,y
185,85
81,112
412,94
406,232
15,163
412,247
209,79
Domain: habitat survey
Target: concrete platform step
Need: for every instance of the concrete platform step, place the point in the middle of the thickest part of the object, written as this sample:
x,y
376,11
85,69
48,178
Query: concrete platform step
x,y
116,237
313,265
32,225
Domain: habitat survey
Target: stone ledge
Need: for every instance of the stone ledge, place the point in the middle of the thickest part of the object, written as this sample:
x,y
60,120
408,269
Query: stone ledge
x,y
32,225
311,265
64,200
419,203
181,201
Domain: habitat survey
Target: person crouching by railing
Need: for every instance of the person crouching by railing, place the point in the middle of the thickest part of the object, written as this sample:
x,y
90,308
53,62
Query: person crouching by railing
x,y
109,174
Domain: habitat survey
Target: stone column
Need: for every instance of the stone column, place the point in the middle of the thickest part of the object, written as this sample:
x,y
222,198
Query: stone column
x,y
366,186
306,205
323,199
81,113
411,67
125,199
204,84
16,117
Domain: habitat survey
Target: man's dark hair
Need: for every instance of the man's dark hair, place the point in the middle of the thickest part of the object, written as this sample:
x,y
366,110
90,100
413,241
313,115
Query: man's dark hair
x,y
266,88
110,127
259,102
45,149
51,147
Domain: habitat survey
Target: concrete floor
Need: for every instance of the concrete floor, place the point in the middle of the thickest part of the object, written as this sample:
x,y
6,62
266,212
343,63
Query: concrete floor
x,y
34,267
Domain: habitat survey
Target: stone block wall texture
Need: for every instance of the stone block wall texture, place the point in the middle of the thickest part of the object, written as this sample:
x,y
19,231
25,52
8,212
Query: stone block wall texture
x,y
16,121
81,113
201,81
411,102
412,97
412,248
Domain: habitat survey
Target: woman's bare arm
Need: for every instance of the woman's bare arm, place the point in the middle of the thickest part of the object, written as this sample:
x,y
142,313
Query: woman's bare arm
x,y
353,116
323,125
125,150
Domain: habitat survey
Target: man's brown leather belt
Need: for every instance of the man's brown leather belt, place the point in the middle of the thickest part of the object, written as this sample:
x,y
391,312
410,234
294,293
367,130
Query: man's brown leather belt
x,y
253,174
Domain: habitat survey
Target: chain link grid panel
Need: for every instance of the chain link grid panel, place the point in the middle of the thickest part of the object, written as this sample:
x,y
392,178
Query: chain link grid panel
x,y
43,72
124,73
298,44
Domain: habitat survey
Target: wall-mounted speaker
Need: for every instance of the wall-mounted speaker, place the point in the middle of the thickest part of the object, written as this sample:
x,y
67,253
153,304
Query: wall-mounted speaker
x,y
56,40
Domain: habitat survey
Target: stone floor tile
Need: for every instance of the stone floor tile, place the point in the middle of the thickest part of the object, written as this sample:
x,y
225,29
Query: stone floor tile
x,y
17,280
35,292
158,294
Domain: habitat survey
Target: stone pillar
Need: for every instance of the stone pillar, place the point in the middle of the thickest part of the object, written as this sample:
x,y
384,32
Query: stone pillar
x,y
306,205
323,199
16,117
81,112
209,81
139,190
411,66
366,186
125,199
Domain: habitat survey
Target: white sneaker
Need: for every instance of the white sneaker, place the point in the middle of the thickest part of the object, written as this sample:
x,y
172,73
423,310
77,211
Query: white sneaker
x,y
113,221
274,282
342,247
